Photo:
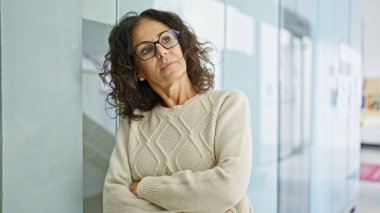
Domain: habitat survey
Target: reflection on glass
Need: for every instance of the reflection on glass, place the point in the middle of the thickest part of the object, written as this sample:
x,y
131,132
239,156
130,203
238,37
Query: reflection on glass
x,y
245,43
295,123
98,126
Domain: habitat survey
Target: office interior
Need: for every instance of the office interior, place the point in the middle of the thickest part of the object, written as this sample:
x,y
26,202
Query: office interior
x,y
310,69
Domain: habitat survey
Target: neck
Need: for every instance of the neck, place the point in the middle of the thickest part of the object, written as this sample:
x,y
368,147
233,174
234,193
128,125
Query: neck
x,y
176,94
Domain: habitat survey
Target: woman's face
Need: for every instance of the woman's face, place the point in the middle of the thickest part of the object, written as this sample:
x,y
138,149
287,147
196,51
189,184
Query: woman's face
x,y
167,66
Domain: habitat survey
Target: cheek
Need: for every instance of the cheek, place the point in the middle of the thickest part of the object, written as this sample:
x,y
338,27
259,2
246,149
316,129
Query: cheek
x,y
179,52
139,68
144,67
181,56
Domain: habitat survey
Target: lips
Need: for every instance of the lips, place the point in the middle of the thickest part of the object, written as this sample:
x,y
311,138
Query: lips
x,y
167,65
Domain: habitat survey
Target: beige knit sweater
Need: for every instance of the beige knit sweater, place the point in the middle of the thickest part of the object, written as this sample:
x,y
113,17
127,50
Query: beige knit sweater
x,y
194,157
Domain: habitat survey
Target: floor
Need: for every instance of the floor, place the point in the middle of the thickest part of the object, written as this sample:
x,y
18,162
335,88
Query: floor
x,y
369,201
295,177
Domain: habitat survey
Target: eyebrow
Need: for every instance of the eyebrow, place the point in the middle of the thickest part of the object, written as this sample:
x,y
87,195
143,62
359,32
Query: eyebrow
x,y
158,34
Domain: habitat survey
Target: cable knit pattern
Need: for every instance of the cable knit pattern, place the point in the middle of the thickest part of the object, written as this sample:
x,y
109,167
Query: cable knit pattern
x,y
194,157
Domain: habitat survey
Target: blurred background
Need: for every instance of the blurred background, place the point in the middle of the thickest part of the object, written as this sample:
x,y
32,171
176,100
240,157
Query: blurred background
x,y
310,68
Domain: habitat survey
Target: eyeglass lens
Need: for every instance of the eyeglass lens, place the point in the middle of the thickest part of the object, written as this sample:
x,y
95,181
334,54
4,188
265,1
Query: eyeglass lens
x,y
146,50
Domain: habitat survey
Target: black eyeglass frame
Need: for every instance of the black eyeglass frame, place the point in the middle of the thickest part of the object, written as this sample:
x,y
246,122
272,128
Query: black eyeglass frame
x,y
157,42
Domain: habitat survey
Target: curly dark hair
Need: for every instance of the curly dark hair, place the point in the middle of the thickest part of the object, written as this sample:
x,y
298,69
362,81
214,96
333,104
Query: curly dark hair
x,y
119,71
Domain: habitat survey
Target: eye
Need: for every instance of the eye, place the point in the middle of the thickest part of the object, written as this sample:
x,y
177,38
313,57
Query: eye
x,y
166,39
145,50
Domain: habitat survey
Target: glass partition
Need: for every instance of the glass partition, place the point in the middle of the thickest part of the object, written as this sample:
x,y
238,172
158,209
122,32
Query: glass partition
x,y
319,107
99,127
41,127
295,106
334,166
251,64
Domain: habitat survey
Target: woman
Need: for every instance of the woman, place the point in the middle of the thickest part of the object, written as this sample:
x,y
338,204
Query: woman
x,y
181,146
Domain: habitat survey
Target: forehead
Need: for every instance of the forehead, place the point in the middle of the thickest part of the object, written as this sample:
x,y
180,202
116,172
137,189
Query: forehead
x,y
147,30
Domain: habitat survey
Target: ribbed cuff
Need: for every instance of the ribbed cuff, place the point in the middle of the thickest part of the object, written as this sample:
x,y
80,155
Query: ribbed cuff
x,y
148,189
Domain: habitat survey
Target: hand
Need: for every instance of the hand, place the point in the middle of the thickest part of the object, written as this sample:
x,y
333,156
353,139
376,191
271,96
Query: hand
x,y
133,187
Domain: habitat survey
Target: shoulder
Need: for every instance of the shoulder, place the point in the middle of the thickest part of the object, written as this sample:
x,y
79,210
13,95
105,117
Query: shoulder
x,y
228,100
236,94
227,96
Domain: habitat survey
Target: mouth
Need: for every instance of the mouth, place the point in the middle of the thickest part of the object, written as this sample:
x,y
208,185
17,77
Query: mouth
x,y
167,65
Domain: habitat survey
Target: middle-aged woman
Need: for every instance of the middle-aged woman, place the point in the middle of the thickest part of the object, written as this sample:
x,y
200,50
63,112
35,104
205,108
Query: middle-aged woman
x,y
181,147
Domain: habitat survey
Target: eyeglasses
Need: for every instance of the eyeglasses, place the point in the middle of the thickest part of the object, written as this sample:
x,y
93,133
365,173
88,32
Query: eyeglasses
x,y
146,49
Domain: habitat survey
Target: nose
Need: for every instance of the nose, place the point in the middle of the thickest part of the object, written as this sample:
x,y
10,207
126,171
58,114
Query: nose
x,y
160,50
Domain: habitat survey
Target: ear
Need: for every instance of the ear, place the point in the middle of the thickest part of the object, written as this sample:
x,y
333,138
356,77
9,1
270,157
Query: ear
x,y
140,76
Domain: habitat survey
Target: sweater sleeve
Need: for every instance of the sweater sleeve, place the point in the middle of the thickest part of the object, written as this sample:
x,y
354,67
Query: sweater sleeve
x,y
219,188
117,197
